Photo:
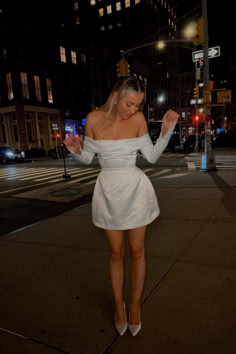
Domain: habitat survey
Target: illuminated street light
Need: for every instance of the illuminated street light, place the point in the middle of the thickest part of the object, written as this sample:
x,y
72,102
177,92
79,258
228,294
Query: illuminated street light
x,y
161,44
191,30
161,98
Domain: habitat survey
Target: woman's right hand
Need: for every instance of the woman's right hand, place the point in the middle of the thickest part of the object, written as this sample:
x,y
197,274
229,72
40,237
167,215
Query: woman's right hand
x,y
73,143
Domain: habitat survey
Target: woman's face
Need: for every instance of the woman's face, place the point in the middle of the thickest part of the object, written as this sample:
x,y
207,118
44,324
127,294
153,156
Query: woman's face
x,y
129,104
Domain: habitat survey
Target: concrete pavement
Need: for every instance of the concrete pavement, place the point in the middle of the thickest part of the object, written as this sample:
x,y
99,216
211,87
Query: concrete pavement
x,y
55,292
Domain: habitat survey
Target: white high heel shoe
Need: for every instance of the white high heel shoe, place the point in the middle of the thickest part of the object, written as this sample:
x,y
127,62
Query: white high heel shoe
x,y
121,328
134,329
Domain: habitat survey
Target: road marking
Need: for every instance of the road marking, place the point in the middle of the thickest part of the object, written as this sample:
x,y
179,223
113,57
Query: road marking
x,y
159,173
75,174
83,178
191,165
175,175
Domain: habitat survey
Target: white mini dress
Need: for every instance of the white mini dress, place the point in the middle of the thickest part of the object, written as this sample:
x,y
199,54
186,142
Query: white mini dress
x,y
123,197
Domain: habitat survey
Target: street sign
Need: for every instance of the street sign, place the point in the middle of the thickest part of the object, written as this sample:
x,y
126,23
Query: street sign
x,y
55,126
212,53
194,101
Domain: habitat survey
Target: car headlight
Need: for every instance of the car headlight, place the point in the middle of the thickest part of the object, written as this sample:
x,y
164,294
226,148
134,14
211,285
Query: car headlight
x,y
10,154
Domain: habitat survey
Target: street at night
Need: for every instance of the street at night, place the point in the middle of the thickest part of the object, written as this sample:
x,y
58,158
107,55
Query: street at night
x,y
117,177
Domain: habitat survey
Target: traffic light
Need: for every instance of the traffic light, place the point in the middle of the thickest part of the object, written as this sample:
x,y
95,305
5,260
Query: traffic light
x,y
196,118
119,68
207,93
200,32
122,68
196,92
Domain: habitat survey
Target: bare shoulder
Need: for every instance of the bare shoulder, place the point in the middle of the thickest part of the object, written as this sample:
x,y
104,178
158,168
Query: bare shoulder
x,y
92,120
142,124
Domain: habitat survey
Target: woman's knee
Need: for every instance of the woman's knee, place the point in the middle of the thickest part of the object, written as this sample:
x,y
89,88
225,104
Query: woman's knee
x,y
137,253
117,255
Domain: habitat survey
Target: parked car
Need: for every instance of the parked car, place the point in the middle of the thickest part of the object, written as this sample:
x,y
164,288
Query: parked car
x,y
189,143
8,154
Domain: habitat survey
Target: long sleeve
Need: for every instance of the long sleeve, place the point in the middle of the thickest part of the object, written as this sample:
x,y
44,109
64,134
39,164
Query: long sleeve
x,y
152,152
87,153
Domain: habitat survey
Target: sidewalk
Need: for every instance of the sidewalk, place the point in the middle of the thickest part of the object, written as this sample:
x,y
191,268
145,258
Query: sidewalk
x,y
55,292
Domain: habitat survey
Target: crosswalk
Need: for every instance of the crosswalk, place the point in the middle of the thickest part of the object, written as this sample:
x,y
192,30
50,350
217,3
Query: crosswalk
x,y
222,162
55,174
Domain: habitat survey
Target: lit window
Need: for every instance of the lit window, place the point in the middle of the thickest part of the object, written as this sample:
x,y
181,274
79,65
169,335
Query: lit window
x,y
63,54
102,28
37,88
168,8
9,87
110,27
127,3
76,5
49,89
165,4
109,9
119,24
118,6
140,77
167,75
73,57
137,2
101,12
77,21
92,2
169,21
24,83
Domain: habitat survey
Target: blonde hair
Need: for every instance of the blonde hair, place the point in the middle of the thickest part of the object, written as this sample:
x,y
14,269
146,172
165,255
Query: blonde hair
x,y
130,83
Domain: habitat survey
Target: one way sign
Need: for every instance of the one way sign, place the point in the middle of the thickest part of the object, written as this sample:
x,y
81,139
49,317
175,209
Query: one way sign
x,y
212,53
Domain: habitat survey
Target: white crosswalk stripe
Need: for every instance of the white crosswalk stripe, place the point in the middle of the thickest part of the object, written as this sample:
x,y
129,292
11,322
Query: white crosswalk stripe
x,y
222,162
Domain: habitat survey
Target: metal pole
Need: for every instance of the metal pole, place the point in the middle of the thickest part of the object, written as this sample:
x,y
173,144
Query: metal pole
x,y
196,147
208,159
64,161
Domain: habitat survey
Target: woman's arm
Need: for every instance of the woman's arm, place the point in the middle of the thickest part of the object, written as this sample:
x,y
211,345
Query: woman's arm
x,y
153,152
79,149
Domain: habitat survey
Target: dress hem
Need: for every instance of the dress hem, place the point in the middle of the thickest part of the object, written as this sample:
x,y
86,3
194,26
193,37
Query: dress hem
x,y
155,215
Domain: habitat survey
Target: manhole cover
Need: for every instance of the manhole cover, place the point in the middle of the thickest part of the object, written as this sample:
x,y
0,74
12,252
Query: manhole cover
x,y
66,192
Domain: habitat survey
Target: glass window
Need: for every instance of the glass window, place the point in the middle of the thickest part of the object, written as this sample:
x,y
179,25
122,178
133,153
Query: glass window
x,y
101,12
63,54
127,3
110,27
137,2
73,57
118,6
9,87
77,20
102,28
37,88
24,83
109,9
76,5
49,89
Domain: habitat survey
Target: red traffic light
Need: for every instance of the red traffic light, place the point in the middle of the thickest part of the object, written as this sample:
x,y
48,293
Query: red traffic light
x,y
197,118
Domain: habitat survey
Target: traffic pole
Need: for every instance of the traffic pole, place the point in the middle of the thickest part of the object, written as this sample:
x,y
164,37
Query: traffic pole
x,y
208,157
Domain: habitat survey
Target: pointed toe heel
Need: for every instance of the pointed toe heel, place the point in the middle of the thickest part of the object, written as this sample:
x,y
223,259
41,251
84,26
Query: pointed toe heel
x,y
134,329
121,328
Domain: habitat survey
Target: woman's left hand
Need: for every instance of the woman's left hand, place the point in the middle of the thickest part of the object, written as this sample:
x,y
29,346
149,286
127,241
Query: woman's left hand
x,y
169,120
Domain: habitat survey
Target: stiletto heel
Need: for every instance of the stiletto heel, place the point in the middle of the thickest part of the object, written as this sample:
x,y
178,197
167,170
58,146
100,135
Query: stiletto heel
x,y
134,329
121,328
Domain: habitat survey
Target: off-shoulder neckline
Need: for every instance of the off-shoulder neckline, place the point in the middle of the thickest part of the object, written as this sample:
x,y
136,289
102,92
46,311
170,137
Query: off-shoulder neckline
x,y
138,137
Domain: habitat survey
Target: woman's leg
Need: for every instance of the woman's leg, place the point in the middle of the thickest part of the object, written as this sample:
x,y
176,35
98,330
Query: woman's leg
x,y
116,266
136,238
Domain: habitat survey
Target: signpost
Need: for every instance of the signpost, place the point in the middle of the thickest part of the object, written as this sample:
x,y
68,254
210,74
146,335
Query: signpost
x,y
212,53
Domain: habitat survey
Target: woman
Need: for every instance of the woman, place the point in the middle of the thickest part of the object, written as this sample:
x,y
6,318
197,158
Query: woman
x,y
124,198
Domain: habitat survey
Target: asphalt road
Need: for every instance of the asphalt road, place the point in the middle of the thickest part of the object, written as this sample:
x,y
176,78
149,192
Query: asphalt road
x,y
17,211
